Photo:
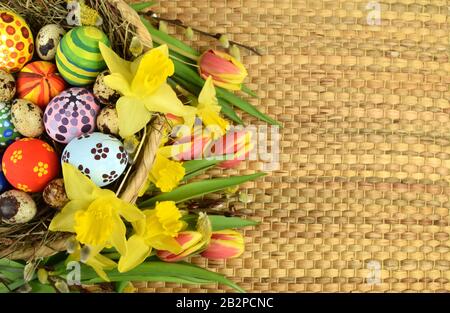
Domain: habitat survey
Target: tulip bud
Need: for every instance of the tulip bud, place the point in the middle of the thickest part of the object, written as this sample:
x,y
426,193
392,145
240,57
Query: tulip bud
x,y
190,242
189,147
226,71
189,33
224,244
239,144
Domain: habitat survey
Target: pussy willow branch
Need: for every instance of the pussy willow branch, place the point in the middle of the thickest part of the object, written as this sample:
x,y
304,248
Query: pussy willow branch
x,y
179,23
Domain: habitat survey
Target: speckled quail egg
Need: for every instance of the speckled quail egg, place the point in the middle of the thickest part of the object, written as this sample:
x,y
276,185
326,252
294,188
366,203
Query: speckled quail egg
x,y
102,92
27,118
17,207
7,86
47,41
55,194
108,121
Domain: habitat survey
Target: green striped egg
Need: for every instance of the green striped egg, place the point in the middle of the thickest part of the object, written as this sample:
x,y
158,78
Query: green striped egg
x,y
78,57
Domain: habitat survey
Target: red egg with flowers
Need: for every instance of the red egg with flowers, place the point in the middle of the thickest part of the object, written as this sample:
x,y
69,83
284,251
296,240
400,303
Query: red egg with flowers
x,y
30,164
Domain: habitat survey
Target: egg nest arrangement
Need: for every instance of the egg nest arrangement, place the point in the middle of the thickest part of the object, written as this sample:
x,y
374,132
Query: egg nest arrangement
x,y
49,103
92,169
51,95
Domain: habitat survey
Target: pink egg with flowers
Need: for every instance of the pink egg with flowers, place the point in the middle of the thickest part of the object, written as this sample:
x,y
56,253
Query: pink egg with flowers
x,y
71,114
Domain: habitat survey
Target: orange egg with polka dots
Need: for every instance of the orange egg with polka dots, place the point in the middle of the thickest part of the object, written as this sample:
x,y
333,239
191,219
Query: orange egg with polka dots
x,y
30,164
16,42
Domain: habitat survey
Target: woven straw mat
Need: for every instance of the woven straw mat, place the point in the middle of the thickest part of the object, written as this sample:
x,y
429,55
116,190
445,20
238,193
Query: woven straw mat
x,y
361,200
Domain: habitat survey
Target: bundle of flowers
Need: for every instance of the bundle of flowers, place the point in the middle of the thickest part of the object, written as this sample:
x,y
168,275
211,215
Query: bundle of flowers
x,y
106,121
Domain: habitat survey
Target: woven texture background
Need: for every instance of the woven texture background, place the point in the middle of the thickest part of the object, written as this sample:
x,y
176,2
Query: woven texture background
x,y
365,149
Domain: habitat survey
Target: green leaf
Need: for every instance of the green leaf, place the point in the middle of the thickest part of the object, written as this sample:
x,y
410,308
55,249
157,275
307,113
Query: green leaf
x,y
7,263
170,272
3,288
249,91
37,287
140,6
121,285
228,111
245,106
192,76
219,222
196,167
198,189
173,44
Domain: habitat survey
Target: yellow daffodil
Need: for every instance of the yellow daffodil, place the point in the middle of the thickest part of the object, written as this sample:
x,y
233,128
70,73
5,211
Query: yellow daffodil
x,y
93,214
166,174
157,231
208,110
94,259
144,89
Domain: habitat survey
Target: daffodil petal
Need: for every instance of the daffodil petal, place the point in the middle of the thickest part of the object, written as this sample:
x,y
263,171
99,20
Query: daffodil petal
x,y
77,185
166,243
115,63
133,116
101,263
208,93
165,100
65,220
137,252
130,212
117,82
118,236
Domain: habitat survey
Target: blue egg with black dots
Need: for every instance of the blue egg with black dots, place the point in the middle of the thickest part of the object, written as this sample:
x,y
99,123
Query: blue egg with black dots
x,y
8,133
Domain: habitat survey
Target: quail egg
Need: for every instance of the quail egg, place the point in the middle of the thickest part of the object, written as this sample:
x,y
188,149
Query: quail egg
x,y
47,41
7,86
17,207
104,94
27,118
108,121
55,194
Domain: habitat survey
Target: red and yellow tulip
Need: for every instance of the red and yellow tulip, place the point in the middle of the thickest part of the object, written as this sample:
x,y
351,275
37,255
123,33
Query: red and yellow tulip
x,y
226,71
224,244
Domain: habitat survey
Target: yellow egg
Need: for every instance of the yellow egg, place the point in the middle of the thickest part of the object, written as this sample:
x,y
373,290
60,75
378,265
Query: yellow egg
x,y
16,42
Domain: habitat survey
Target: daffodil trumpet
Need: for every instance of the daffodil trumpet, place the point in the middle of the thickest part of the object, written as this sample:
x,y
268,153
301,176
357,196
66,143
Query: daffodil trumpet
x,y
144,89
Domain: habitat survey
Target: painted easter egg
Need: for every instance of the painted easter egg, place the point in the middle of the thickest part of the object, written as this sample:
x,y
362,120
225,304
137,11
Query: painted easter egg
x,y
78,56
16,42
39,82
3,181
8,133
99,156
71,114
30,164
47,41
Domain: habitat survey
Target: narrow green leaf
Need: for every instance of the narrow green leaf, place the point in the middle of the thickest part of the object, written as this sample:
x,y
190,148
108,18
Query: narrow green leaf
x,y
16,284
3,288
249,91
170,272
196,167
121,285
10,264
228,111
219,222
192,76
198,189
173,44
245,106
140,6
